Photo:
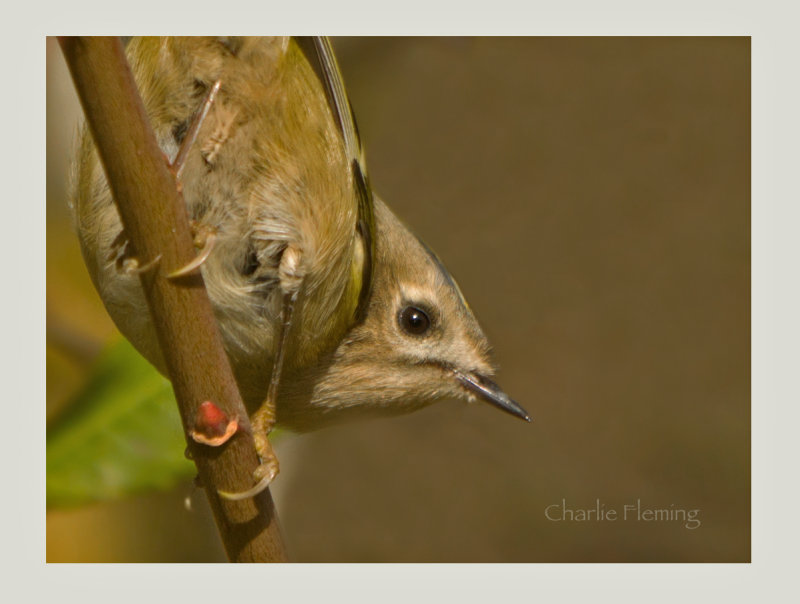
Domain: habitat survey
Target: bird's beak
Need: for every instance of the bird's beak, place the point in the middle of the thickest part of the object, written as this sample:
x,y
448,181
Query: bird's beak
x,y
491,393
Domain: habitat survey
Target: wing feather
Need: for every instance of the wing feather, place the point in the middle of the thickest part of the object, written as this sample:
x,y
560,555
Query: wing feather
x,y
319,52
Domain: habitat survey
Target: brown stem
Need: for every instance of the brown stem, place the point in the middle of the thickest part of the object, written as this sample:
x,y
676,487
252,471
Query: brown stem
x,y
156,221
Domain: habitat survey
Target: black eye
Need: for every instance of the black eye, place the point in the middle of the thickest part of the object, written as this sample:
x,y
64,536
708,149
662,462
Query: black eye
x,y
414,320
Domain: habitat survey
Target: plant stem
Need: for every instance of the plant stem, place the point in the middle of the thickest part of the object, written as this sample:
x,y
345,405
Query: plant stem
x,y
156,222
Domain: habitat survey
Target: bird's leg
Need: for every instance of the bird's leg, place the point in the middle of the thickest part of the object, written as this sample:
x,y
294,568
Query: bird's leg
x,y
263,420
194,128
204,235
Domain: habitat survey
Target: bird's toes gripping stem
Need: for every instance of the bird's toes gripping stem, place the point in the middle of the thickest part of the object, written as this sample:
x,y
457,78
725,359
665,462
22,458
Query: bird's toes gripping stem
x,y
131,266
125,260
264,475
205,236
263,420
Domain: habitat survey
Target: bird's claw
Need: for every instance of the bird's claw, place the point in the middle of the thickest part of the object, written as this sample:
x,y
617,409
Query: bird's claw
x,y
264,475
204,238
131,266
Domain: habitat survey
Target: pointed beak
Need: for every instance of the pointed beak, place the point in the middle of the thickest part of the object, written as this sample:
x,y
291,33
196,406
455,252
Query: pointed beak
x,y
491,393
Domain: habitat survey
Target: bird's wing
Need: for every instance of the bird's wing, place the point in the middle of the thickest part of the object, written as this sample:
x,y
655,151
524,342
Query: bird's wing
x,y
319,52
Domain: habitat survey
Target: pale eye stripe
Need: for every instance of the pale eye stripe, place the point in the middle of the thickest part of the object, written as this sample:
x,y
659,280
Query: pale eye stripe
x,y
446,274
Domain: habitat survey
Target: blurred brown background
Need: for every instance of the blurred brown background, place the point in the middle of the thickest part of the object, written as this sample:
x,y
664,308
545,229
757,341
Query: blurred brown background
x,y
592,197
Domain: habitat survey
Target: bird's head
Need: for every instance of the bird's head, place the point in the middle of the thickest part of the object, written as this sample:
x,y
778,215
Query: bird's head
x,y
418,341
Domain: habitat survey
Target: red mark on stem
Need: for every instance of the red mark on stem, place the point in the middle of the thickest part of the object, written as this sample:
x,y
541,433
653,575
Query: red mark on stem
x,y
212,426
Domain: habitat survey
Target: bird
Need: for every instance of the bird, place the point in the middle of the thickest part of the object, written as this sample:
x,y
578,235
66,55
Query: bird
x,y
329,306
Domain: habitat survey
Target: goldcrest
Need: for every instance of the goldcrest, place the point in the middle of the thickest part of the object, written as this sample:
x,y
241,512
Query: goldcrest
x,y
328,305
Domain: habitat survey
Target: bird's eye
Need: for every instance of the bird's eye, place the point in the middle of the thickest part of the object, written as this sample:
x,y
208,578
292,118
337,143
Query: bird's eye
x,y
414,321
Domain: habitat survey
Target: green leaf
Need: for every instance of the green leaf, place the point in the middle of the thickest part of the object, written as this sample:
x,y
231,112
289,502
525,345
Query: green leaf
x,y
122,435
